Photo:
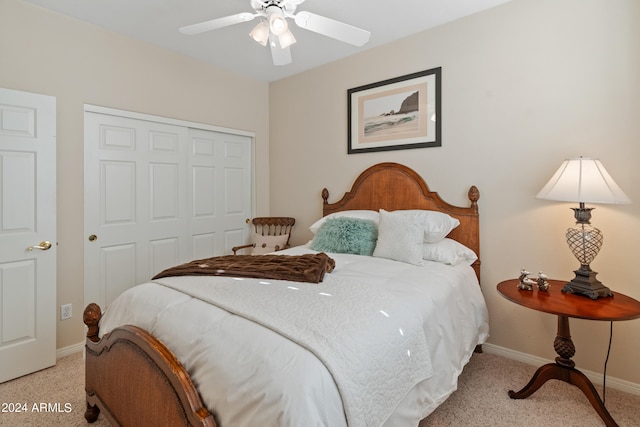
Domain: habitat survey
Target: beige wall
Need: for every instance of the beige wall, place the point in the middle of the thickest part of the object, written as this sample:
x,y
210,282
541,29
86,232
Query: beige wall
x,y
47,53
525,85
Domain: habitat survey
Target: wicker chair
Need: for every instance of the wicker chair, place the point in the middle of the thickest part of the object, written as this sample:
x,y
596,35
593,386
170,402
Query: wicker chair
x,y
270,234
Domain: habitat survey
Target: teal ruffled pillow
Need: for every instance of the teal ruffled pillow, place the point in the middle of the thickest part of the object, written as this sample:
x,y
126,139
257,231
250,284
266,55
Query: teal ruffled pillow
x,y
347,236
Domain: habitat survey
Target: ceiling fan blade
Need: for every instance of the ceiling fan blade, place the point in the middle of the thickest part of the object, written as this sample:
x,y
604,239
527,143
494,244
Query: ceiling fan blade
x,y
279,55
214,24
332,28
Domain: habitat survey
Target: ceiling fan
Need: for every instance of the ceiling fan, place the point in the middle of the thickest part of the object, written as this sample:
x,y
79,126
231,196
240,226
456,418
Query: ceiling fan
x,y
274,29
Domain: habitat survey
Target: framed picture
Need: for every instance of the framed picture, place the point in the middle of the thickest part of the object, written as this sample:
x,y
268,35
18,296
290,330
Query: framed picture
x,y
395,114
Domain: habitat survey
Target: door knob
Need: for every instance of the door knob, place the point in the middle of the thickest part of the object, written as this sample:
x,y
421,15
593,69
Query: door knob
x,y
43,246
93,238
247,220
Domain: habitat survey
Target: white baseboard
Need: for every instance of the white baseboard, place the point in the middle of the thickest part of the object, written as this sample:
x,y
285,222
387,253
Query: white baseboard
x,y
68,351
594,377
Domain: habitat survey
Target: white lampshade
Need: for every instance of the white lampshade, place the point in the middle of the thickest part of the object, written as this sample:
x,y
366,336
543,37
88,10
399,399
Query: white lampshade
x,y
286,39
260,33
583,180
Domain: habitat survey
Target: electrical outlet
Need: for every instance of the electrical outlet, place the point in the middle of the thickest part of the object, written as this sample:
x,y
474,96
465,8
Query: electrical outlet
x,y
65,311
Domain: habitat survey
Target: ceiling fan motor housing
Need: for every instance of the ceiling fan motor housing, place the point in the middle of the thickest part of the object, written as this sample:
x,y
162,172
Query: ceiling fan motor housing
x,y
286,6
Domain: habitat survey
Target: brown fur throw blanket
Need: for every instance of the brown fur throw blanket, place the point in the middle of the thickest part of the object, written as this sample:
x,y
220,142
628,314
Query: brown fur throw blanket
x,y
299,268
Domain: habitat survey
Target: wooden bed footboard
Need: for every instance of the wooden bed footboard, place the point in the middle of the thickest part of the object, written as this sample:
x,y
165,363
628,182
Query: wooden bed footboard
x,y
134,380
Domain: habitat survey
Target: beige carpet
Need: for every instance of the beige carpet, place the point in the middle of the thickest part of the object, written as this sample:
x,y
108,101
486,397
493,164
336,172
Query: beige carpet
x,y
481,399
60,387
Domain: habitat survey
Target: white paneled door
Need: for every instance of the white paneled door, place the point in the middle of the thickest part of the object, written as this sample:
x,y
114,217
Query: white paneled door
x,y
220,188
27,233
158,194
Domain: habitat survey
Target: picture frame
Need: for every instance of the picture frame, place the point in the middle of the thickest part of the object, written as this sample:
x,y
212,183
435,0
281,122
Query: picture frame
x,y
396,114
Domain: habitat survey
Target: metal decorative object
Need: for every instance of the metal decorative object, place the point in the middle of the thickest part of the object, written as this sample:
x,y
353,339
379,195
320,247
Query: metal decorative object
x,y
585,242
543,284
524,282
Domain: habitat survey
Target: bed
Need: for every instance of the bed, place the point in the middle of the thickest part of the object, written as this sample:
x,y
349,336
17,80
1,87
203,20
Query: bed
x,y
287,356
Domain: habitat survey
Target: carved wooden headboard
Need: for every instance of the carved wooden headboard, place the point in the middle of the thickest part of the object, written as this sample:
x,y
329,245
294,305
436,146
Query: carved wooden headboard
x,y
392,186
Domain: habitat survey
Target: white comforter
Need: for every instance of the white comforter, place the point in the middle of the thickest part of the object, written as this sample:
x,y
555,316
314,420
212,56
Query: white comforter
x,y
252,374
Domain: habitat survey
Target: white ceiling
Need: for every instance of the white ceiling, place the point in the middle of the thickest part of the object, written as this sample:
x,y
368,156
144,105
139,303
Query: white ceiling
x,y
157,22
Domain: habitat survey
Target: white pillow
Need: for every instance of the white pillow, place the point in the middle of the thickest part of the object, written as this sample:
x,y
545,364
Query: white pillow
x,y
266,244
436,224
360,214
399,237
448,251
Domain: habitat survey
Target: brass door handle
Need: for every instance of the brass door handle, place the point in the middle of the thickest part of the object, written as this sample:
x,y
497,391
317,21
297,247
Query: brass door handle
x,y
93,238
43,246
247,220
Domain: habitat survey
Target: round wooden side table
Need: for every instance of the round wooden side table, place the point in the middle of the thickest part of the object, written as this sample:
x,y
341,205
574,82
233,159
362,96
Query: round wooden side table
x,y
566,305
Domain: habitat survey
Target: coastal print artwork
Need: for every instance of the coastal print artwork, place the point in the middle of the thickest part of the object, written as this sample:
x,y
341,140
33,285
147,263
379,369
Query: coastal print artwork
x,y
395,114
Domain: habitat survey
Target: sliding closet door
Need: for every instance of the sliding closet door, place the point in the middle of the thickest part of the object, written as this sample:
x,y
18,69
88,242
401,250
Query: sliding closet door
x,y
157,195
221,191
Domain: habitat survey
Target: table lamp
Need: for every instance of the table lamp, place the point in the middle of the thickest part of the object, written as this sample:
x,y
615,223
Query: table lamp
x,y
583,180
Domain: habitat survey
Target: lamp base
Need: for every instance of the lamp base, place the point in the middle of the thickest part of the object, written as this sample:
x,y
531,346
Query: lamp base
x,y
585,283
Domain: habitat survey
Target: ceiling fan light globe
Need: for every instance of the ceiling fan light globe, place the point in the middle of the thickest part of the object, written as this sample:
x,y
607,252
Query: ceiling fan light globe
x,y
286,39
278,24
260,33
